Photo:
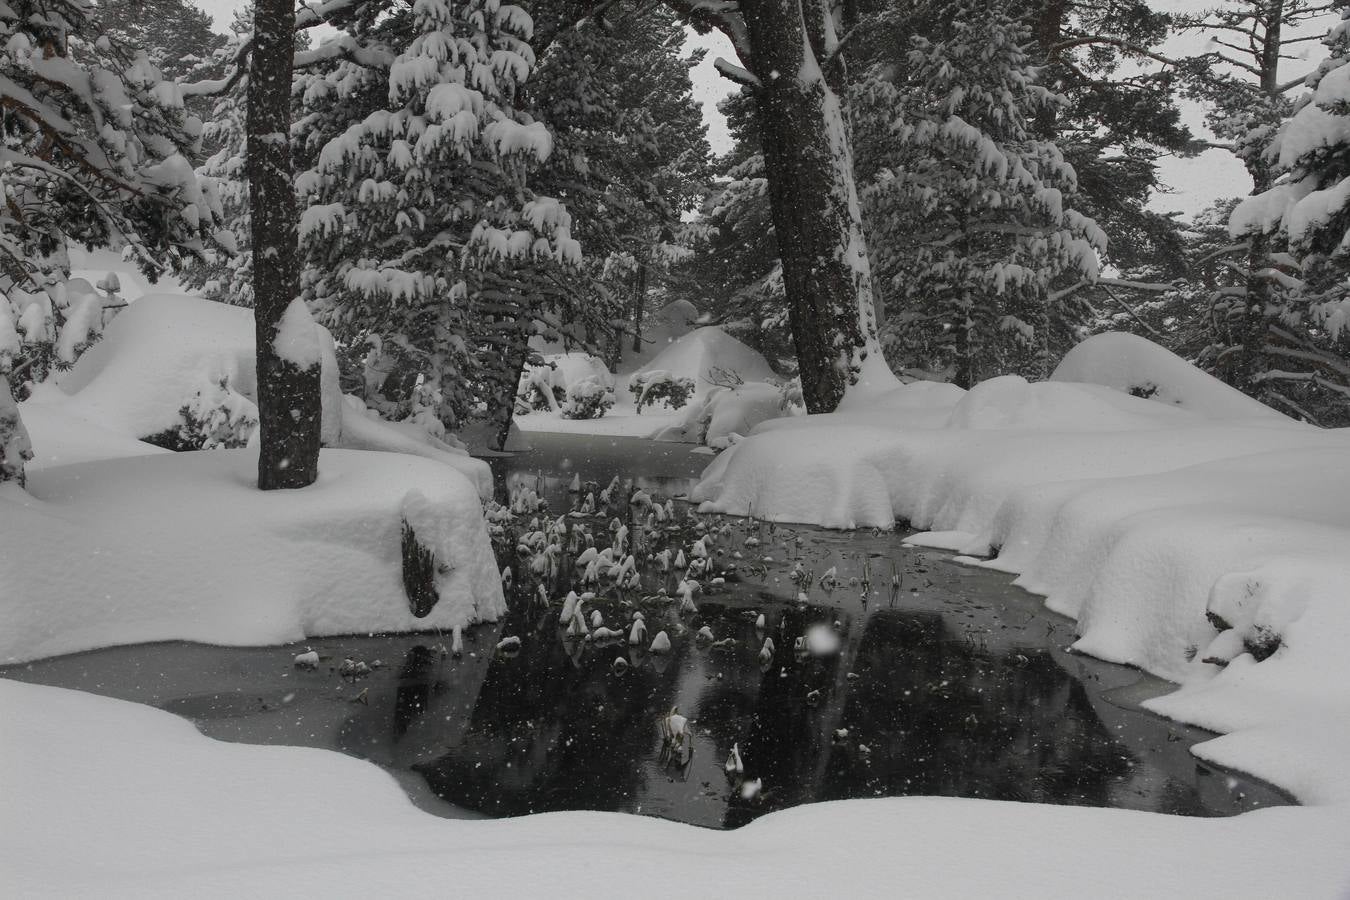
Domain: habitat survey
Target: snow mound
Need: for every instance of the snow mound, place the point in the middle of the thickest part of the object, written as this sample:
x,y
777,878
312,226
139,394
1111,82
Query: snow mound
x,y
363,429
666,326
704,354
168,352
184,546
1011,402
160,809
163,352
60,439
1136,365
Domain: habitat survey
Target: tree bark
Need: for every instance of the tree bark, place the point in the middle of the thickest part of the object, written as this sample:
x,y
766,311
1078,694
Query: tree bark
x,y
808,161
289,411
639,304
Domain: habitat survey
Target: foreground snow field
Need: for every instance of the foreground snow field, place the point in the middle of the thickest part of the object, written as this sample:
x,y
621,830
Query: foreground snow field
x,y
106,798
1191,534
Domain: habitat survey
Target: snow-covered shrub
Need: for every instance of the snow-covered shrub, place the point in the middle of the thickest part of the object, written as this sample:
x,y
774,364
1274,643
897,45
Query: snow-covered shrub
x,y
215,418
659,386
588,398
47,331
538,390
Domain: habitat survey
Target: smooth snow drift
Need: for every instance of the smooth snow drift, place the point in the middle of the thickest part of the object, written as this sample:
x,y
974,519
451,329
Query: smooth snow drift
x,y
111,798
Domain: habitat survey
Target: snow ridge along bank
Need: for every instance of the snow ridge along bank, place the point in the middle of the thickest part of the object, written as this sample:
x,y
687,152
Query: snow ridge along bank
x,y
1194,534
185,547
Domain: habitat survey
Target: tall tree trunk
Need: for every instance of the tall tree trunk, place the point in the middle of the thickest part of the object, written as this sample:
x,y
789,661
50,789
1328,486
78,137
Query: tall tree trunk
x,y
1248,357
289,411
964,376
639,304
809,166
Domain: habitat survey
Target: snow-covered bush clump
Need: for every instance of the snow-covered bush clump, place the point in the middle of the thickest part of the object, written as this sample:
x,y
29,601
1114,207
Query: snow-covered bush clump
x,y
653,386
588,398
548,387
537,391
217,417
723,414
44,332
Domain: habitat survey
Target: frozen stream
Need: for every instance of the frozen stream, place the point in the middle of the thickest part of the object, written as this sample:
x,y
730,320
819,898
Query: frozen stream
x,y
953,684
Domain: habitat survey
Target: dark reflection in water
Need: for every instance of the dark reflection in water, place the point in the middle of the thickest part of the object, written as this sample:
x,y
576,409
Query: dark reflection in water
x,y
949,683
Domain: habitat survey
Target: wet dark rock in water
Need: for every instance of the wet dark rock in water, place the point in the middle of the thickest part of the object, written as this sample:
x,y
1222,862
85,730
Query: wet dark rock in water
x,y
898,674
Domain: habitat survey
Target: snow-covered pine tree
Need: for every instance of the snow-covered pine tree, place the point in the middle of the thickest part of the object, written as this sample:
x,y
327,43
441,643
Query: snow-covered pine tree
x,y
94,151
631,157
176,35
1242,79
969,209
415,154
1308,205
225,273
734,275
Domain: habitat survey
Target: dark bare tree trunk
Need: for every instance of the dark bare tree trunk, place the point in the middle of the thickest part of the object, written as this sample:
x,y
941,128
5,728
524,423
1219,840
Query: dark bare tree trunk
x,y
289,411
1247,358
809,165
964,326
639,304
517,353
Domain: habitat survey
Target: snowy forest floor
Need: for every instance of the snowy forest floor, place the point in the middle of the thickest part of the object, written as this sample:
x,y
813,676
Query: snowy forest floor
x,y
1180,535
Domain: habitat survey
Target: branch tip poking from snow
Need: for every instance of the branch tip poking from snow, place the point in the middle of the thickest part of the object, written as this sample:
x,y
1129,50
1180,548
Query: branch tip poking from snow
x,y
297,340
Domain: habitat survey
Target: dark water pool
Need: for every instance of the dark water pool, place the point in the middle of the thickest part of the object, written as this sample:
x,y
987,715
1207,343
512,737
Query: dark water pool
x,y
946,680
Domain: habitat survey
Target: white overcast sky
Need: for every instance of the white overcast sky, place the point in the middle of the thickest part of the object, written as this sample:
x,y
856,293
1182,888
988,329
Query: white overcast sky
x,y
1196,182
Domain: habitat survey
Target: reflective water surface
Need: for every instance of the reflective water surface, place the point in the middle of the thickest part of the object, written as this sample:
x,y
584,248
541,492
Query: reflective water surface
x,y
929,678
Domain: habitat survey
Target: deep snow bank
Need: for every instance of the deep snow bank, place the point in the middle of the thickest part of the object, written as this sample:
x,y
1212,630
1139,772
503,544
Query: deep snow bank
x,y
184,546
1175,532
168,352
163,351
111,798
